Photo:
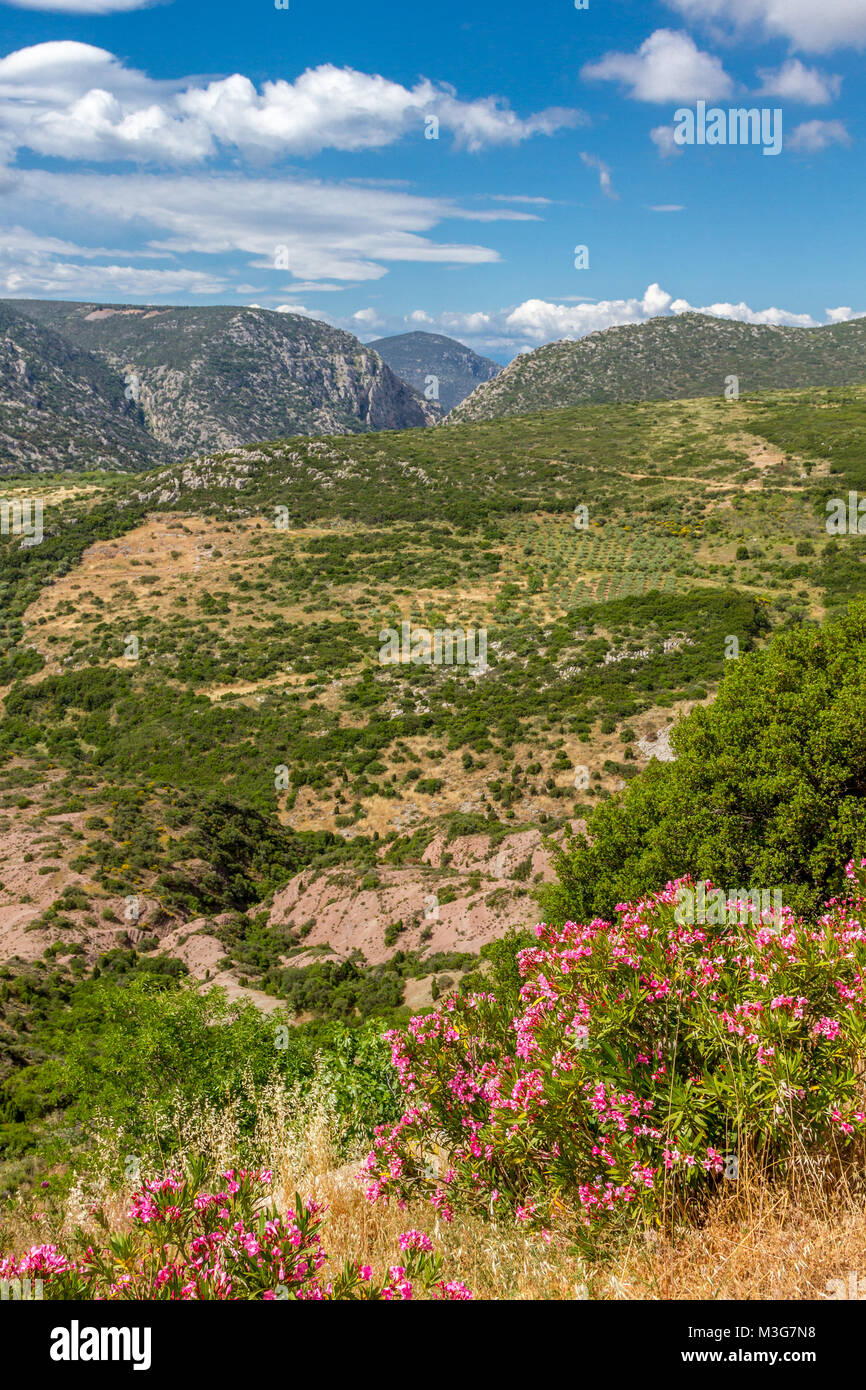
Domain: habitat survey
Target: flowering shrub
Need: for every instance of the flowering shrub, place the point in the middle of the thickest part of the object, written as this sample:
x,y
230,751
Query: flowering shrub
x,y
186,1243
646,1060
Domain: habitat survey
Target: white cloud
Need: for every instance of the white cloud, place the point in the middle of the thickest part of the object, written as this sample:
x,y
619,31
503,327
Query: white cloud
x,y
302,311
795,82
466,323
592,161
32,264
54,278
308,286
518,198
330,231
662,137
368,318
668,207
537,321
76,101
668,66
96,7
743,314
813,136
816,27
541,321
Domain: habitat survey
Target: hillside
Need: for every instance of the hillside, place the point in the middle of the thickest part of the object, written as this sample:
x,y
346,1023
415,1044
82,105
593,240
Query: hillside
x,y
62,408
671,359
417,356
216,377
210,777
317,801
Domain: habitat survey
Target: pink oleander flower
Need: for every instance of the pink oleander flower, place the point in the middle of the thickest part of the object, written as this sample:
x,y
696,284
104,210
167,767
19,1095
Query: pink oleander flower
x,y
414,1240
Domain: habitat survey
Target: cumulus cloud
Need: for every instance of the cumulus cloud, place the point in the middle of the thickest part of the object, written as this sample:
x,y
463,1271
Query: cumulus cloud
x,y
76,101
814,27
302,310
668,66
368,318
541,321
538,321
795,82
743,314
813,136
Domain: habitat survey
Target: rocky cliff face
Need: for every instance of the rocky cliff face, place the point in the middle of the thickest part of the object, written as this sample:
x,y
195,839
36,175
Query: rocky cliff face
x,y
204,380
62,408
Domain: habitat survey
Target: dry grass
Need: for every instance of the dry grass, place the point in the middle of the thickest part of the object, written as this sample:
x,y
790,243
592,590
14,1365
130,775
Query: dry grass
x,y
757,1241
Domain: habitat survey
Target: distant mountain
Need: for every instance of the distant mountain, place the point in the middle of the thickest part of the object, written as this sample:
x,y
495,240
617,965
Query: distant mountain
x,y
62,408
417,356
670,359
195,380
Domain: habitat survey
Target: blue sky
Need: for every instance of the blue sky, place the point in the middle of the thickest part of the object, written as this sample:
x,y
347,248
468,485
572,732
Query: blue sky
x,y
193,153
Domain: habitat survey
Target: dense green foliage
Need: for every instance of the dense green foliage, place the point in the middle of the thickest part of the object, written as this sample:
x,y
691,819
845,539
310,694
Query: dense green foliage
x,y
130,1049
768,788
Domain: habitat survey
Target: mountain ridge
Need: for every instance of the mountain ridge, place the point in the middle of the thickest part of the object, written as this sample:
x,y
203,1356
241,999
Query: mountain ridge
x,y
208,378
679,358
417,356
60,406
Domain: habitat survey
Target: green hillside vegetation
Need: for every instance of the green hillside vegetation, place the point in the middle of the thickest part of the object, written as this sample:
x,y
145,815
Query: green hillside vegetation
x,y
61,407
258,634
768,787
671,358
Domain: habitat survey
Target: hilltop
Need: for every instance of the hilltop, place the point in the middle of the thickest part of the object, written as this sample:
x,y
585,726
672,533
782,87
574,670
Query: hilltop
x,y
671,359
417,356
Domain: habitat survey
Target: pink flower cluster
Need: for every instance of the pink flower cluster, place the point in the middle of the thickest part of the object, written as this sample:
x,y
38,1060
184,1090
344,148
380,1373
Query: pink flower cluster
x,y
232,1243
639,1058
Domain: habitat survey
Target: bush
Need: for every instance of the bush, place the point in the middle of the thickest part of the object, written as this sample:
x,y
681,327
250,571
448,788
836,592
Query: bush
x,y
767,787
186,1243
641,1061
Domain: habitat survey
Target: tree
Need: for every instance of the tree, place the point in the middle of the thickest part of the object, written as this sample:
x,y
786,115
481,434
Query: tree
x,y
768,789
